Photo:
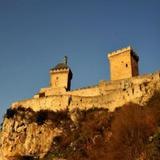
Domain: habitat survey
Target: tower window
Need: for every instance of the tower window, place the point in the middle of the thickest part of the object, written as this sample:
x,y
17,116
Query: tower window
x,y
42,94
126,65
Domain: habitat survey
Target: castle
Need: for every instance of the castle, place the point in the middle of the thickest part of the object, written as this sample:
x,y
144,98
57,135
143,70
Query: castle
x,y
125,85
26,134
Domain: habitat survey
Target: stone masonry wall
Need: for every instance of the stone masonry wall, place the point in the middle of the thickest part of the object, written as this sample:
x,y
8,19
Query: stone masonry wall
x,y
87,92
109,95
54,103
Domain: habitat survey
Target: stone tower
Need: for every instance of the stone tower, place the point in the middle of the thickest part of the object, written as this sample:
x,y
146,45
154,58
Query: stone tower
x,y
123,64
60,76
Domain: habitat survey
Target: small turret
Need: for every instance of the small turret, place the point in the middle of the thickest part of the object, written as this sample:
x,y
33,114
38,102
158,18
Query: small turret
x,y
61,76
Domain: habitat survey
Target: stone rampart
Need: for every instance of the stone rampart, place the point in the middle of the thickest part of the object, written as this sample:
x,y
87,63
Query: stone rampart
x,y
87,91
54,103
107,94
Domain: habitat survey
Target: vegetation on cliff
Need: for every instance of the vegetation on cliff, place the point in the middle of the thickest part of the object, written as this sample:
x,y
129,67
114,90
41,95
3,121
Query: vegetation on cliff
x,y
131,132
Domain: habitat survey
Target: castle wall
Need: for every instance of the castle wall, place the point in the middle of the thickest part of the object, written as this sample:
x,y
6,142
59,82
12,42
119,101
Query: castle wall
x,y
90,91
54,103
49,91
111,95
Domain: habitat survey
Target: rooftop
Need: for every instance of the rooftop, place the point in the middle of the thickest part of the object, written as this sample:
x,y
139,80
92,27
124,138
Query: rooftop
x,y
62,65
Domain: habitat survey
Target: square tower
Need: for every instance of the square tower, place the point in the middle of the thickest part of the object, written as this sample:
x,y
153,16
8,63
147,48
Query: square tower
x,y
61,76
123,64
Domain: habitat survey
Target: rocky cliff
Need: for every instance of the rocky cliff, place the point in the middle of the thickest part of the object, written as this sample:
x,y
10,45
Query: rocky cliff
x,y
131,132
121,122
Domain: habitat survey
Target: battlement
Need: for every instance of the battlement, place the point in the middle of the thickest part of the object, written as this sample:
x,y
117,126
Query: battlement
x,y
120,51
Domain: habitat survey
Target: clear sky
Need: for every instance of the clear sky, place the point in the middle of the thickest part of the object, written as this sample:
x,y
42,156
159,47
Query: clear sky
x,y
36,34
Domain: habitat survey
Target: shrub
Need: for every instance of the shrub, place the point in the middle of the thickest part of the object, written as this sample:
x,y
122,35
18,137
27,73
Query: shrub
x,y
10,113
41,117
153,148
27,158
131,129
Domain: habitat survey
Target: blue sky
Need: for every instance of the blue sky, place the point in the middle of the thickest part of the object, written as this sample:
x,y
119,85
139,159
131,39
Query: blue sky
x,y
36,34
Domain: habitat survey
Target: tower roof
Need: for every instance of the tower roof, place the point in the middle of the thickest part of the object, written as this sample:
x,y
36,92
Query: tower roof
x,y
62,65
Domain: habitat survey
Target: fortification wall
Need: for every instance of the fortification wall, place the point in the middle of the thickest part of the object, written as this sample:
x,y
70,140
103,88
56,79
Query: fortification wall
x,y
109,95
54,103
88,91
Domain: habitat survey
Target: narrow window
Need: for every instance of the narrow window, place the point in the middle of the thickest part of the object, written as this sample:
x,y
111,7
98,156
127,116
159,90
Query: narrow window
x,y
42,94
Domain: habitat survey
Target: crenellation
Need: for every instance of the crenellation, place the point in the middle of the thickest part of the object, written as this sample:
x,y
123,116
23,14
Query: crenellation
x,y
119,51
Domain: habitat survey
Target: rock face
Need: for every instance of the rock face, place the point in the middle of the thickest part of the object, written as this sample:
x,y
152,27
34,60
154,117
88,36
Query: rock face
x,y
49,135
130,132
24,135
